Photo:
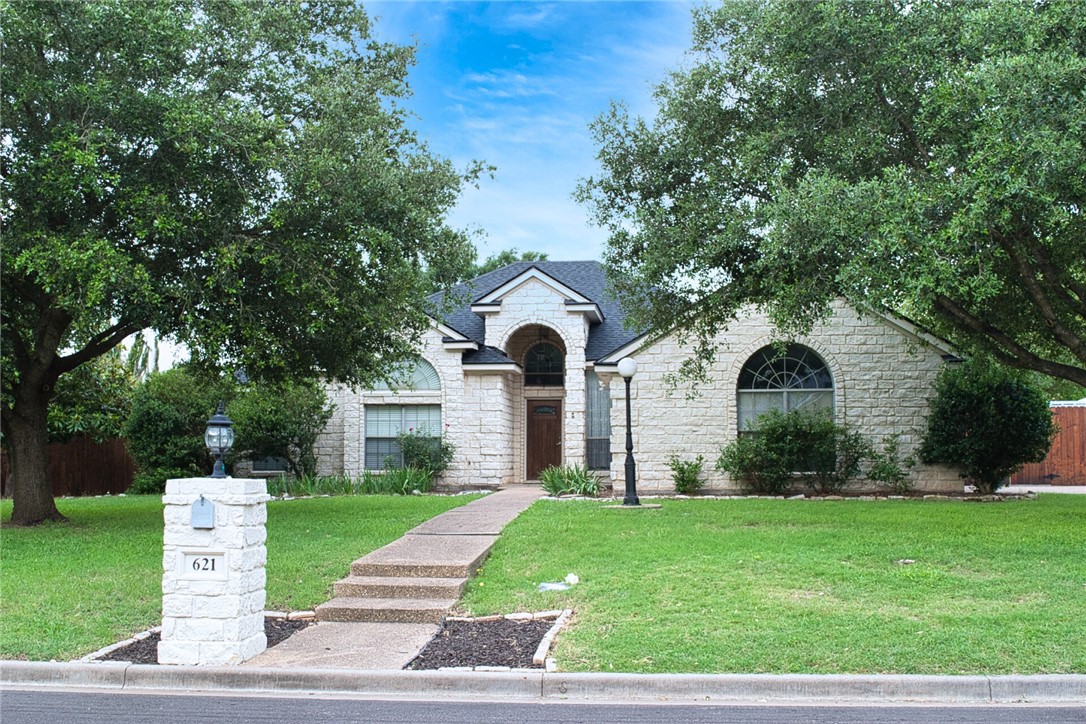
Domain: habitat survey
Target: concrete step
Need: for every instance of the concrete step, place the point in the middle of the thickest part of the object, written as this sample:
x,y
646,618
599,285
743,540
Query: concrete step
x,y
399,587
424,556
385,610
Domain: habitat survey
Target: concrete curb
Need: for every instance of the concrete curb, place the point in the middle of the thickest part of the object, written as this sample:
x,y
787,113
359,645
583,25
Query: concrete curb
x,y
539,685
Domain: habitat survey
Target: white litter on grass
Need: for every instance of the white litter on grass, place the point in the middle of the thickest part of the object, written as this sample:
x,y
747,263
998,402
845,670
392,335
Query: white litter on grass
x,y
571,580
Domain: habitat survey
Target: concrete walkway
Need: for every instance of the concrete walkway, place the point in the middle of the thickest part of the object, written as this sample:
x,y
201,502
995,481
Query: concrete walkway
x,y
1065,489
396,597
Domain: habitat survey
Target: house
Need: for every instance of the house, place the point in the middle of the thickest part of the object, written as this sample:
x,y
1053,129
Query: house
x,y
523,374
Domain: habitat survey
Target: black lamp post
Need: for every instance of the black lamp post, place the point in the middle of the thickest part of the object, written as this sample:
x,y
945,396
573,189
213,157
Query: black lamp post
x,y
627,367
219,437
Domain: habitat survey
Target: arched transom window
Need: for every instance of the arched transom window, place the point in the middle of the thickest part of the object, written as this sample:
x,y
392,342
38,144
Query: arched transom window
x,y
414,376
794,380
544,364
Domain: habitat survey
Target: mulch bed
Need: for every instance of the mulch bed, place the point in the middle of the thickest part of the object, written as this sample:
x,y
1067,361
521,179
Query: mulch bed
x,y
504,642
145,651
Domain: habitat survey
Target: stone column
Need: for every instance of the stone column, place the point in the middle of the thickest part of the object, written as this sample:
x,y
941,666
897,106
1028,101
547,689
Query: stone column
x,y
213,571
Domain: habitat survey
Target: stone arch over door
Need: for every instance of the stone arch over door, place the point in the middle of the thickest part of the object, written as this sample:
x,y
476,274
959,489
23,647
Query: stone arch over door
x,y
540,424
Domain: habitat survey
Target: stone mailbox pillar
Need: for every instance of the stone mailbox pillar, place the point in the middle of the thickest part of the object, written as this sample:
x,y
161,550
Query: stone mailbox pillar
x,y
213,578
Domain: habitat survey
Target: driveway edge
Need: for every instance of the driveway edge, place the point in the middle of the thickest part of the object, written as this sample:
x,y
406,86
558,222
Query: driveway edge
x,y
539,685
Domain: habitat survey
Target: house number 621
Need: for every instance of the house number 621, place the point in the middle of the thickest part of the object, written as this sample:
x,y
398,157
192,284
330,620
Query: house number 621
x,y
203,564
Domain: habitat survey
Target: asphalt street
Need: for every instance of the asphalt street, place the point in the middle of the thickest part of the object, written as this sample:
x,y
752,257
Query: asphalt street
x,y
51,707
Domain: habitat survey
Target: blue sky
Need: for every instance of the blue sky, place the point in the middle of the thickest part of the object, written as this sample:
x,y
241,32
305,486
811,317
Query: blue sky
x,y
516,84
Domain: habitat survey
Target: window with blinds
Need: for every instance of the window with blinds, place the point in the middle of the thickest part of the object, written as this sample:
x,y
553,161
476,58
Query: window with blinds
x,y
794,380
385,422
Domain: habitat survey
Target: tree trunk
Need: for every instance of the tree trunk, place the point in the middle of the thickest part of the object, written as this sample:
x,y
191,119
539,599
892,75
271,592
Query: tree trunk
x,y
26,433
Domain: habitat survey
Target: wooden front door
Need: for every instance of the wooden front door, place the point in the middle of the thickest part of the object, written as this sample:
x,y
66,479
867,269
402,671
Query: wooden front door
x,y
544,435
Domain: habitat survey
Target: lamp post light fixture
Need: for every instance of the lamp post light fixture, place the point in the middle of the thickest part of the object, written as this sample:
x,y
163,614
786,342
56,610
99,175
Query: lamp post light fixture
x,y
219,437
627,367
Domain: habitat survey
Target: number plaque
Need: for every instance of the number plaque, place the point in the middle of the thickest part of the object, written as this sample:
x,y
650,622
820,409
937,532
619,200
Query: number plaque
x,y
204,566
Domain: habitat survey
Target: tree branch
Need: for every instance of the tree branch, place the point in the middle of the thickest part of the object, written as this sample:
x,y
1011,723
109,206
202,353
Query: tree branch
x,y
22,354
1035,292
904,125
1005,348
99,344
1072,292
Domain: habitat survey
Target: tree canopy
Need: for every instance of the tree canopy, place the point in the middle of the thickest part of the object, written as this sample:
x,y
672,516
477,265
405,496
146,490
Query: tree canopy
x,y
239,177
924,159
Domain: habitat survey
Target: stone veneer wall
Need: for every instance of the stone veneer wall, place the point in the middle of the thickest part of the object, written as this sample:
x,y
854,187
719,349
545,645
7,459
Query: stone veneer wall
x,y
883,380
341,446
530,304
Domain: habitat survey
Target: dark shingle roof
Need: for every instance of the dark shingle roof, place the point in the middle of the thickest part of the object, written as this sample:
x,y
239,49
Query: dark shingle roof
x,y
486,356
586,277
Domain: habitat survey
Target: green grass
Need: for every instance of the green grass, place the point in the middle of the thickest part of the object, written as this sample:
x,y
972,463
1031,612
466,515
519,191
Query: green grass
x,y
69,589
786,586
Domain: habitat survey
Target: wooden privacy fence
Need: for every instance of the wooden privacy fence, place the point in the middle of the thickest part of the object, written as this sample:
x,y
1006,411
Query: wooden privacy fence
x,y
1066,461
84,467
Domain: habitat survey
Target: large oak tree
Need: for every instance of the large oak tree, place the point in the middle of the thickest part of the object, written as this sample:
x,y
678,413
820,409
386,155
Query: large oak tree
x,y
240,177
921,158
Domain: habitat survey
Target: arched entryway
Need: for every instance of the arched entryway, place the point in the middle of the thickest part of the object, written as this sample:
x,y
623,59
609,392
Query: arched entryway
x,y
541,353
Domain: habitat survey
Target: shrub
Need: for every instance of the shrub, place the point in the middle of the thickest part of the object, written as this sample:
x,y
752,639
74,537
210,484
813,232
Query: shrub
x,y
686,474
988,419
280,421
165,427
888,469
422,450
572,479
782,446
153,480
836,453
759,466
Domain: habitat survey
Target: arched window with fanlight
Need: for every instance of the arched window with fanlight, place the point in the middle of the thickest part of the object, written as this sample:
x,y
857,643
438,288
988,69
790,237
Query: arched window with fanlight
x,y
419,415
793,380
544,365
414,376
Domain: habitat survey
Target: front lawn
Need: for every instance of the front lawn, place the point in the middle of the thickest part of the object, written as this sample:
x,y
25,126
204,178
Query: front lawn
x,y
69,589
781,586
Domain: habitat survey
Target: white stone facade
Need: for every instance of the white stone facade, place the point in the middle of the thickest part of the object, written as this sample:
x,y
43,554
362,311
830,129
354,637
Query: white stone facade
x,y
883,379
883,375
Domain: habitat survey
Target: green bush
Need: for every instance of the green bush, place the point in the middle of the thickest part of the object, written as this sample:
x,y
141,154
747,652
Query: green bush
x,y
837,453
783,446
165,427
571,479
280,421
988,419
153,480
888,469
686,474
759,466
422,450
